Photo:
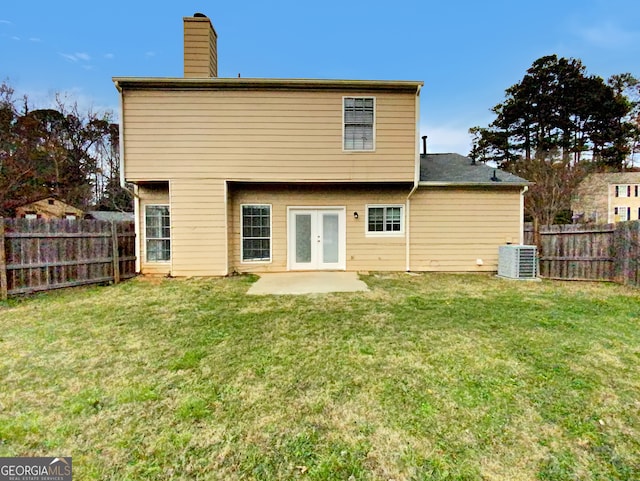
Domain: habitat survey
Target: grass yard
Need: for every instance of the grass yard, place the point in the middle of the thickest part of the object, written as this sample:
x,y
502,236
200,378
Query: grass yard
x,y
429,377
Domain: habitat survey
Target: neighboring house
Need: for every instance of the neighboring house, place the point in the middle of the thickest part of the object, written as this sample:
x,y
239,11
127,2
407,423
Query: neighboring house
x,y
607,198
48,208
257,175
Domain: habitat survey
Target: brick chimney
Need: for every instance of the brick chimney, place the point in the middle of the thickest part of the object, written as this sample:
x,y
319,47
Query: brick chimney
x,y
200,47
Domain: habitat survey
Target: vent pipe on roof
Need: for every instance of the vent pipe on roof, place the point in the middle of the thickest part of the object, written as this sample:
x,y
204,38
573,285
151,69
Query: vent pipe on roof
x,y
424,144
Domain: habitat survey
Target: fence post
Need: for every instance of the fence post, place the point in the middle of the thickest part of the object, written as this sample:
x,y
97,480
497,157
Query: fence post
x,y
115,255
3,264
620,253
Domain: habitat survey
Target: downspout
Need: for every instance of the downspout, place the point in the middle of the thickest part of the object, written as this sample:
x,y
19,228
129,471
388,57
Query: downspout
x,y
136,224
121,137
416,181
123,183
524,191
226,223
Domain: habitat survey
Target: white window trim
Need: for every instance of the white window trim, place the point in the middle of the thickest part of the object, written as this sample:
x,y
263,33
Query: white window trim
x,y
144,229
257,261
342,212
375,120
399,233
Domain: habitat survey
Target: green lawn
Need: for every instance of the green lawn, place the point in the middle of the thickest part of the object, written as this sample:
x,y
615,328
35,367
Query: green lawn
x,y
429,377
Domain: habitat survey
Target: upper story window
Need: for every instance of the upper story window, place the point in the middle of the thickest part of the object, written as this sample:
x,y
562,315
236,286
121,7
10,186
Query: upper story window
x,y
359,123
623,190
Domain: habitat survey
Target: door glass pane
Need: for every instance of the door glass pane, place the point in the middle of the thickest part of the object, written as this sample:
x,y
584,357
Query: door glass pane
x,y
303,237
330,238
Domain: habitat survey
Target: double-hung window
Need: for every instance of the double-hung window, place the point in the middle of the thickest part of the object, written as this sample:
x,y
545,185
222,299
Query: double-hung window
x,y
623,190
359,123
256,232
157,233
623,213
385,220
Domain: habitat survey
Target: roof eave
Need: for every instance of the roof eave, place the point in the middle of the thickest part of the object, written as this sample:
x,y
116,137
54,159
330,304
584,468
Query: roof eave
x,y
265,83
473,184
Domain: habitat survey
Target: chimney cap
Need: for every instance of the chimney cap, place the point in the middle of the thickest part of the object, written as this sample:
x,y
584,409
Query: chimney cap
x,y
200,15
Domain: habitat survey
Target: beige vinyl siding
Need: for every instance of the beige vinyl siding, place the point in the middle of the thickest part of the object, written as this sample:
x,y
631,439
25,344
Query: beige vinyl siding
x,y
453,227
151,194
200,48
262,135
198,227
362,252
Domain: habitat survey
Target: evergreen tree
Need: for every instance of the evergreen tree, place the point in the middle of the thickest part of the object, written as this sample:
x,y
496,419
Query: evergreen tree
x,y
553,127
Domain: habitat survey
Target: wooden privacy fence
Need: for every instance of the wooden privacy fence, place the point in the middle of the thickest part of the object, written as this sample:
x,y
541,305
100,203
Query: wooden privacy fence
x,y
41,254
607,252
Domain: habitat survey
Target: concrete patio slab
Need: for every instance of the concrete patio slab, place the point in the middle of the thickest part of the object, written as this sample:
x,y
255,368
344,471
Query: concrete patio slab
x,y
307,283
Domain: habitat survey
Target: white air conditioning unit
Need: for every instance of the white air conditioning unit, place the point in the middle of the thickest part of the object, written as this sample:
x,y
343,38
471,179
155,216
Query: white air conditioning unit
x,y
518,262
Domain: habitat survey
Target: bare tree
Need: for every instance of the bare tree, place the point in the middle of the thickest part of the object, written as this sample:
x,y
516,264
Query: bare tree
x,y
60,151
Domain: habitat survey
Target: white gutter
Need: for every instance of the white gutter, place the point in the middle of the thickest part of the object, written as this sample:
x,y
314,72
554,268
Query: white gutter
x,y
270,83
474,184
416,183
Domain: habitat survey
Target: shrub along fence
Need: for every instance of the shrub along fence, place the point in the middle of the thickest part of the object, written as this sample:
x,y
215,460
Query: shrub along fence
x,y
41,254
607,252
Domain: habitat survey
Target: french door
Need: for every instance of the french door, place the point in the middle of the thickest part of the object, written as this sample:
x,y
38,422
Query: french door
x,y
317,239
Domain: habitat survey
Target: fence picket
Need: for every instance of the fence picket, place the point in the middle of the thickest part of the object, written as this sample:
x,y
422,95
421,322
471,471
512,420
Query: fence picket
x,y
3,263
585,252
41,254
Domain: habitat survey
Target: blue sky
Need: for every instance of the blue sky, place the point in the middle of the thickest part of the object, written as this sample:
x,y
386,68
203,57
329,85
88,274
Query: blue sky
x,y
467,53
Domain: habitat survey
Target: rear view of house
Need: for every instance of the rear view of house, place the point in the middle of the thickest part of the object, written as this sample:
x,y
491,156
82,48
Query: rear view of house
x,y
259,175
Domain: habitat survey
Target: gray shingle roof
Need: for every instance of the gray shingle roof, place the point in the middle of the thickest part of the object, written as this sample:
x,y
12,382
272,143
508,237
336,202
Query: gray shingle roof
x,y
458,169
109,215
